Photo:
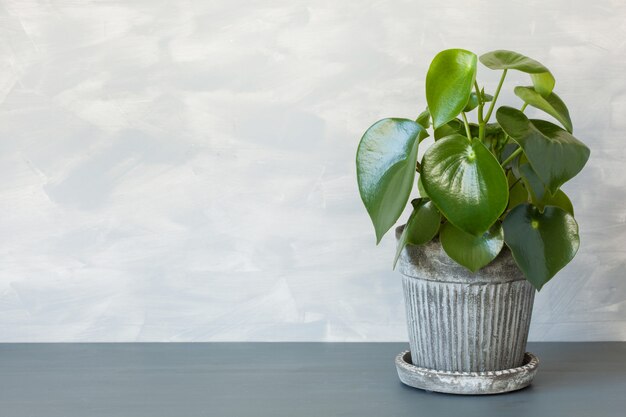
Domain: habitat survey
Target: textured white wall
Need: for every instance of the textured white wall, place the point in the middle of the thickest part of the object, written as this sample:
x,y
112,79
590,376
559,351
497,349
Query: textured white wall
x,y
184,171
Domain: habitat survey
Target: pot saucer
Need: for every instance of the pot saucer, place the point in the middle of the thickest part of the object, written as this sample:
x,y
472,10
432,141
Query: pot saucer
x,y
470,383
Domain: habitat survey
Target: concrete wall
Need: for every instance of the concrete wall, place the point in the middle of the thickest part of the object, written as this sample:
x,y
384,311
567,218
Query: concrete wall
x,y
184,171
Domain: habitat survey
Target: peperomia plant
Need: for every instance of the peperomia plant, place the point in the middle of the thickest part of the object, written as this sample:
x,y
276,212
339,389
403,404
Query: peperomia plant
x,y
481,184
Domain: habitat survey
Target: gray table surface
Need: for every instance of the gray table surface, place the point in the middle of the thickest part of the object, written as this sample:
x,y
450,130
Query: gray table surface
x,y
286,379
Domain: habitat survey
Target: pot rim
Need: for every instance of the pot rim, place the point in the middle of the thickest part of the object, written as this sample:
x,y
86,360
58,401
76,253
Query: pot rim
x,y
430,262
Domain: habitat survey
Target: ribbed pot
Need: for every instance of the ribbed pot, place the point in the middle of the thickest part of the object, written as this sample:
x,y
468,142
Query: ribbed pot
x,y
463,321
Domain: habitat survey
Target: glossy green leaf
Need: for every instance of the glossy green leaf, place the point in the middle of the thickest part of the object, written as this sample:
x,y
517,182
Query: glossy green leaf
x,y
422,226
473,101
551,104
554,154
541,243
561,200
424,119
454,126
466,183
449,83
473,252
502,59
385,162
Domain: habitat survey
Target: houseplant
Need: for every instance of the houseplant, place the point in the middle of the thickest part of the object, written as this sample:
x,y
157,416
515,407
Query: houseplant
x,y
491,224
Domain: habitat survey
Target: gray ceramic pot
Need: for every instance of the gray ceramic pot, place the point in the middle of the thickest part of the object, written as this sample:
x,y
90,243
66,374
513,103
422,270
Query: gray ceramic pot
x,y
461,321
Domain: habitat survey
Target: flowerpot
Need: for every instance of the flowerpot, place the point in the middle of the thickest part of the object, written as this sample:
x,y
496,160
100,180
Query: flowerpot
x,y
472,325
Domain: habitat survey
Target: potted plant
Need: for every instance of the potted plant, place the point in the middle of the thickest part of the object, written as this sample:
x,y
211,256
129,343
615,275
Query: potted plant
x,y
490,227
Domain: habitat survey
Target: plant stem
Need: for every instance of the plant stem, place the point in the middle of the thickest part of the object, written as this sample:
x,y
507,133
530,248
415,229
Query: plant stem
x,y
495,96
467,127
511,157
523,107
480,102
481,120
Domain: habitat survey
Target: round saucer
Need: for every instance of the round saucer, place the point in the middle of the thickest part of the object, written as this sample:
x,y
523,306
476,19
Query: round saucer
x,y
471,383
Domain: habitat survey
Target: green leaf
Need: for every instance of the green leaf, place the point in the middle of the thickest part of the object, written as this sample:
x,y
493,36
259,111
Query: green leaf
x,y
422,226
424,119
473,101
466,183
385,167
454,126
449,82
561,200
541,243
473,252
551,104
540,75
554,154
